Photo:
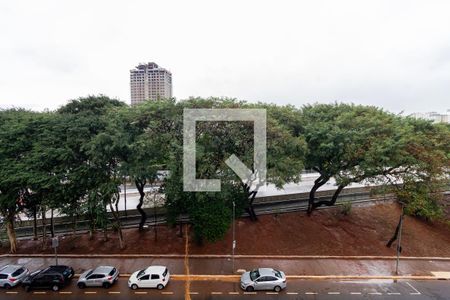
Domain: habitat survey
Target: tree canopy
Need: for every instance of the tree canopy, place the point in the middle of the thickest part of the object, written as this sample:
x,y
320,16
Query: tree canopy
x,y
75,159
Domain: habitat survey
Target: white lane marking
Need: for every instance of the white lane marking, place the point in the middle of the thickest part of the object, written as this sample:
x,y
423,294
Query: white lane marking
x,y
355,293
375,293
40,293
113,292
334,293
193,293
140,293
394,293
65,293
216,293
233,293
167,293
249,293
271,293
416,292
12,292
88,293
310,293
292,293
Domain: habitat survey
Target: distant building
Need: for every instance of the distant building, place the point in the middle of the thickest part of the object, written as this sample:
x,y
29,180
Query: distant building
x,y
433,116
150,82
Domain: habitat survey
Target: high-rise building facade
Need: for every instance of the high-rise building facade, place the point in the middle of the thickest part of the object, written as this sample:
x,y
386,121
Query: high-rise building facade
x,y
150,82
433,116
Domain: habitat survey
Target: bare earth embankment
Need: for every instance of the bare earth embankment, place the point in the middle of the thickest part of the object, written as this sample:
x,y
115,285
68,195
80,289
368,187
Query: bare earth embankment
x,y
364,231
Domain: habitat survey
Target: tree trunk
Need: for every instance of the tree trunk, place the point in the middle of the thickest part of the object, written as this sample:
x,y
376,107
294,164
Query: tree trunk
x,y
333,199
397,229
155,219
251,197
115,213
125,195
312,194
105,223
74,224
52,224
44,229
180,233
105,233
35,230
11,233
140,186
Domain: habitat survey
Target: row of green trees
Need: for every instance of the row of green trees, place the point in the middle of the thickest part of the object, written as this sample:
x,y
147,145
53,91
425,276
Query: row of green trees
x,y
73,160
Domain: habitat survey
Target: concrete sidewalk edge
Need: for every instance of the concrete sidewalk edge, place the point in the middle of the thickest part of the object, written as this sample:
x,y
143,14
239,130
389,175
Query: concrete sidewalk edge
x,y
193,277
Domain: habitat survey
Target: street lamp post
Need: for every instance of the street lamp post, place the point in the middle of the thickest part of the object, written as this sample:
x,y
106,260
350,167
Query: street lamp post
x,y
234,237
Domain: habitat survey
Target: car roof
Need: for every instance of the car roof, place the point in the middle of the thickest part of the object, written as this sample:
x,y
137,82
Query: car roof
x,y
102,269
155,270
266,272
10,269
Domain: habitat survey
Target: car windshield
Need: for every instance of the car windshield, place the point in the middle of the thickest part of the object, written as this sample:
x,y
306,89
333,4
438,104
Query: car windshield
x,y
35,273
254,275
112,272
165,272
277,273
18,272
89,273
141,272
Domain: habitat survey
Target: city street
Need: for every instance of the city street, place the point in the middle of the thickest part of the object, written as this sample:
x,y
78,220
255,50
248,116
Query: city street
x,y
297,289
209,278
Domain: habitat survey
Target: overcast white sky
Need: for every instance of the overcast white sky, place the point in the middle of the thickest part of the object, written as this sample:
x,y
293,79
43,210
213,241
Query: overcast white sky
x,y
393,54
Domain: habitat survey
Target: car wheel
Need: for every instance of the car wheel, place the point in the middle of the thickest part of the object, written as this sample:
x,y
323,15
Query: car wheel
x,y
134,287
106,285
160,287
55,288
249,289
277,289
7,286
81,285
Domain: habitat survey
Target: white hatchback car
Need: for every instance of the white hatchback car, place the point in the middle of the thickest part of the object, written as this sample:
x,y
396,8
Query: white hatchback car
x,y
152,277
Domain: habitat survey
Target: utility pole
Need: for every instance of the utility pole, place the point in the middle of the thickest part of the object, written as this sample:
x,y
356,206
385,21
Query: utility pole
x,y
234,237
399,244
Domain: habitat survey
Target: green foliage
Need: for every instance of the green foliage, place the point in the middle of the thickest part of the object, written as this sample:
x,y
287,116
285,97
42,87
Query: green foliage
x,y
421,200
215,142
73,160
346,208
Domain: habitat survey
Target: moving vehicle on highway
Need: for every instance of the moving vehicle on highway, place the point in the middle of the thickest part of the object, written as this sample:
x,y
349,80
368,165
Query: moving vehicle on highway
x,y
263,279
53,277
12,275
102,276
152,277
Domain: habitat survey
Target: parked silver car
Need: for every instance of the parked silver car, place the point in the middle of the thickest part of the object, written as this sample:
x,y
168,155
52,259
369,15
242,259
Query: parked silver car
x,y
103,276
263,279
12,275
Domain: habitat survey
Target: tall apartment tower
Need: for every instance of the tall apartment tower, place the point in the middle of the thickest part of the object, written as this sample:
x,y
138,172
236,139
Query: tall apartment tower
x,y
150,82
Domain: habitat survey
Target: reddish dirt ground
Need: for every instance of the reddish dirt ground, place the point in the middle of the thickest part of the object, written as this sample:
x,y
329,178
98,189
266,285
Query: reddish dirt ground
x,y
364,231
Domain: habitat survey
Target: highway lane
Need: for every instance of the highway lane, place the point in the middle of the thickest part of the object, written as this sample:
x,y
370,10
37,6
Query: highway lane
x,y
297,289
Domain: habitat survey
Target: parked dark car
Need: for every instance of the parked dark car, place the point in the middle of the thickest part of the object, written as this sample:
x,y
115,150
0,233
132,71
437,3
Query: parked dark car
x,y
53,277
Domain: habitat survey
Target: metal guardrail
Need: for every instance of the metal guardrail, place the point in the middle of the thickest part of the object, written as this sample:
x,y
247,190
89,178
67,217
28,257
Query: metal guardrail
x,y
275,205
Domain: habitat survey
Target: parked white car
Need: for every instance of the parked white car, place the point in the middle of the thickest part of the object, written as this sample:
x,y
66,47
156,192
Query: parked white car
x,y
152,277
12,275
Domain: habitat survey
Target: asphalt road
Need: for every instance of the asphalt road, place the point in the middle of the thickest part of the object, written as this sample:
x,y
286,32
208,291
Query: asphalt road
x,y
297,289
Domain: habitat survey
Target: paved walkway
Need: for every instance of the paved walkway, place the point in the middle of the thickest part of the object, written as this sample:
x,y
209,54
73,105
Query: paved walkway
x,y
293,267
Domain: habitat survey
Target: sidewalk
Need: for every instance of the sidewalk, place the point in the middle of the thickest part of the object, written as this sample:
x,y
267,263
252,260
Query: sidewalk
x,y
221,267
